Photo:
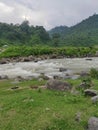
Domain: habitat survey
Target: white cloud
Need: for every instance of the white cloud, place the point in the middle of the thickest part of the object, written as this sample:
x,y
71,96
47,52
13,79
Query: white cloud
x,y
5,8
48,13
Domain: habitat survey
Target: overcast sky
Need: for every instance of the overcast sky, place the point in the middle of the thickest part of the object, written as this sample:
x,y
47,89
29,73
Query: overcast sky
x,y
47,13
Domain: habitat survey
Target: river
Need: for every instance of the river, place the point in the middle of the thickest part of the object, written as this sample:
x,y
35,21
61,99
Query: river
x,y
49,67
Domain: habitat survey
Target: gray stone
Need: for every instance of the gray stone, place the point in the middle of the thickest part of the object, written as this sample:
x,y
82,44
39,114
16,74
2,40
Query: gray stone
x,y
94,99
44,77
96,53
56,77
84,85
62,69
84,74
34,87
19,78
89,59
26,59
14,88
3,61
93,123
78,116
90,92
3,77
58,85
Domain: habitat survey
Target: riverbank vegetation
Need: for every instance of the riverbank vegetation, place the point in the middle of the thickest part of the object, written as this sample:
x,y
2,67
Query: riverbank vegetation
x,y
19,51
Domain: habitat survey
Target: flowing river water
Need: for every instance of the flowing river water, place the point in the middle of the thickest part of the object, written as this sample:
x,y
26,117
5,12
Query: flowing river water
x,y
48,67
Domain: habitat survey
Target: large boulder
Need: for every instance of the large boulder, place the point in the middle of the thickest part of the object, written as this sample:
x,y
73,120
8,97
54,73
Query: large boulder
x,y
58,85
90,92
93,123
94,99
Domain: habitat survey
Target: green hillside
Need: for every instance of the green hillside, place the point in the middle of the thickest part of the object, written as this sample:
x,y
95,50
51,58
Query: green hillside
x,y
62,30
84,33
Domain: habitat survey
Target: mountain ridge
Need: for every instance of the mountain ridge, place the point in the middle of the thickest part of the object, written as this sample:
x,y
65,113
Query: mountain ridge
x,y
84,33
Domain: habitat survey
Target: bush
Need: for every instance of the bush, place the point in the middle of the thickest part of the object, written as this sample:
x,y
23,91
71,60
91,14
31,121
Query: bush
x,y
94,73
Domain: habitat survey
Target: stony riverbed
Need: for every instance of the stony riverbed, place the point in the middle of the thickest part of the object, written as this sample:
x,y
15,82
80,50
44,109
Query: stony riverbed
x,y
52,67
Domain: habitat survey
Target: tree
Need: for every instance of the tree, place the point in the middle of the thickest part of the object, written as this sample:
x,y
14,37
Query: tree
x,y
56,39
25,26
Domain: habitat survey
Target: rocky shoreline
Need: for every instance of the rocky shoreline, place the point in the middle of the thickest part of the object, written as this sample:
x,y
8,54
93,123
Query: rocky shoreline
x,y
29,58
39,58
45,67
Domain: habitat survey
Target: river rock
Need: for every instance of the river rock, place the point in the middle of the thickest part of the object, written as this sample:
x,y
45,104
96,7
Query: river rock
x,y
93,123
58,85
62,69
54,56
3,77
31,58
35,60
84,74
14,88
96,53
34,87
19,78
3,61
26,59
89,59
90,92
44,77
56,77
94,99
82,86
78,116
85,85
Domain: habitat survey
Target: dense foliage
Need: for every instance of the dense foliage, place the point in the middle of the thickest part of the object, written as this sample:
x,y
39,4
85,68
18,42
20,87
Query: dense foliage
x,y
22,34
61,30
83,34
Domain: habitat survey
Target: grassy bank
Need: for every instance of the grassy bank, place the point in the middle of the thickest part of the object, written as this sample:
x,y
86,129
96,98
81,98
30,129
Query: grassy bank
x,y
42,109
17,51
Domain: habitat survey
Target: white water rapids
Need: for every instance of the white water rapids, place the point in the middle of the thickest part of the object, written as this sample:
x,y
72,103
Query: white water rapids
x,y
49,67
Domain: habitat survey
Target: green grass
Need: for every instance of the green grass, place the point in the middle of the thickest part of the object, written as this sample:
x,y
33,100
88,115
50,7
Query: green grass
x,y
31,109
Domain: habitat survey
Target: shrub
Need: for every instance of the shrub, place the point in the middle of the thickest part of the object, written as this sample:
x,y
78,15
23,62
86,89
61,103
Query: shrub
x,y
94,73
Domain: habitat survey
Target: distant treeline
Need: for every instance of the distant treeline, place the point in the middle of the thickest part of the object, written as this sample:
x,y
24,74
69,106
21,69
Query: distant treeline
x,y
22,34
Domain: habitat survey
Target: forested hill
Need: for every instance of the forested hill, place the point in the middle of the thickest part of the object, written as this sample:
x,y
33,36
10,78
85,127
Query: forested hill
x,y
62,30
21,34
84,33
